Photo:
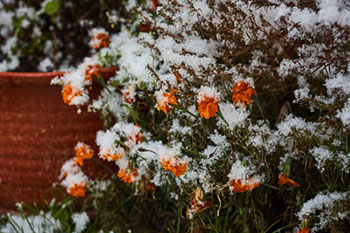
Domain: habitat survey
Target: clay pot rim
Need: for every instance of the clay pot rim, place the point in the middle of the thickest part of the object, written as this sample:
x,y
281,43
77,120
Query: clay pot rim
x,y
46,74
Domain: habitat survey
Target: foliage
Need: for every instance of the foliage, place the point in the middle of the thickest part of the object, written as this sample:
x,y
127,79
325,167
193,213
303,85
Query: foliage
x,y
233,115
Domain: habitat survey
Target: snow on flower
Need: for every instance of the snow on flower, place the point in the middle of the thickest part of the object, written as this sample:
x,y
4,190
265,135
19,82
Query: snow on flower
x,y
164,100
73,179
241,178
208,99
170,160
82,151
128,175
99,38
242,93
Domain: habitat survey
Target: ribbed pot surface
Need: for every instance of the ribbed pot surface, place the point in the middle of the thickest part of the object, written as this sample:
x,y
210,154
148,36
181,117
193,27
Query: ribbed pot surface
x,y
38,133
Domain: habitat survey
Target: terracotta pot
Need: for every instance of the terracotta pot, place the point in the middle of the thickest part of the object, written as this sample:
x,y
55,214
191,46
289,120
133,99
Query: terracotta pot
x,y
38,133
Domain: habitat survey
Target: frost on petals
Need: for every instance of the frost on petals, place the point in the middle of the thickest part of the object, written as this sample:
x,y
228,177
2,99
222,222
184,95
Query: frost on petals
x,y
170,161
73,179
92,70
208,99
128,175
241,178
98,40
164,99
69,93
82,151
174,165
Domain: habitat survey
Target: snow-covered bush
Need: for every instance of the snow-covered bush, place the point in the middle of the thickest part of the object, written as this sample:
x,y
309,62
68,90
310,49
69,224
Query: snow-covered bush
x,y
242,102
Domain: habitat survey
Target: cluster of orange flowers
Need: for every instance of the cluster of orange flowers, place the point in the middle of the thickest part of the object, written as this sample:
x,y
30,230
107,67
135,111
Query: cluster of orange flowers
x,y
128,176
242,93
92,70
78,190
167,98
208,106
101,39
83,151
237,186
176,167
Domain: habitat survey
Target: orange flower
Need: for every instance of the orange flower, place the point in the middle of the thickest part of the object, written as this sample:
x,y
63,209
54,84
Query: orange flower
x,y
99,40
284,180
82,151
136,138
178,168
238,187
78,190
69,93
92,70
305,230
242,93
164,99
128,177
113,156
207,107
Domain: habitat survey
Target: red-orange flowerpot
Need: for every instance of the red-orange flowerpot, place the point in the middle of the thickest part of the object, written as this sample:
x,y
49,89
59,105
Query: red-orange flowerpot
x,y
38,133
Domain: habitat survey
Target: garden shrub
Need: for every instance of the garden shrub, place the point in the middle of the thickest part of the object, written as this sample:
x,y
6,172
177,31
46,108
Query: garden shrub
x,y
239,111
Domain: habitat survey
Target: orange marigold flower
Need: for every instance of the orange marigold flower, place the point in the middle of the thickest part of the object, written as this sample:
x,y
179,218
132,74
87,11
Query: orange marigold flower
x,y
114,156
249,184
208,99
78,190
164,99
92,70
176,167
305,230
99,40
83,151
69,93
207,108
128,176
284,180
242,93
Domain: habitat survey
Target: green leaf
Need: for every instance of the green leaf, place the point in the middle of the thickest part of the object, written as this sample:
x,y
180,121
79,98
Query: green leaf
x,y
52,7
132,113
